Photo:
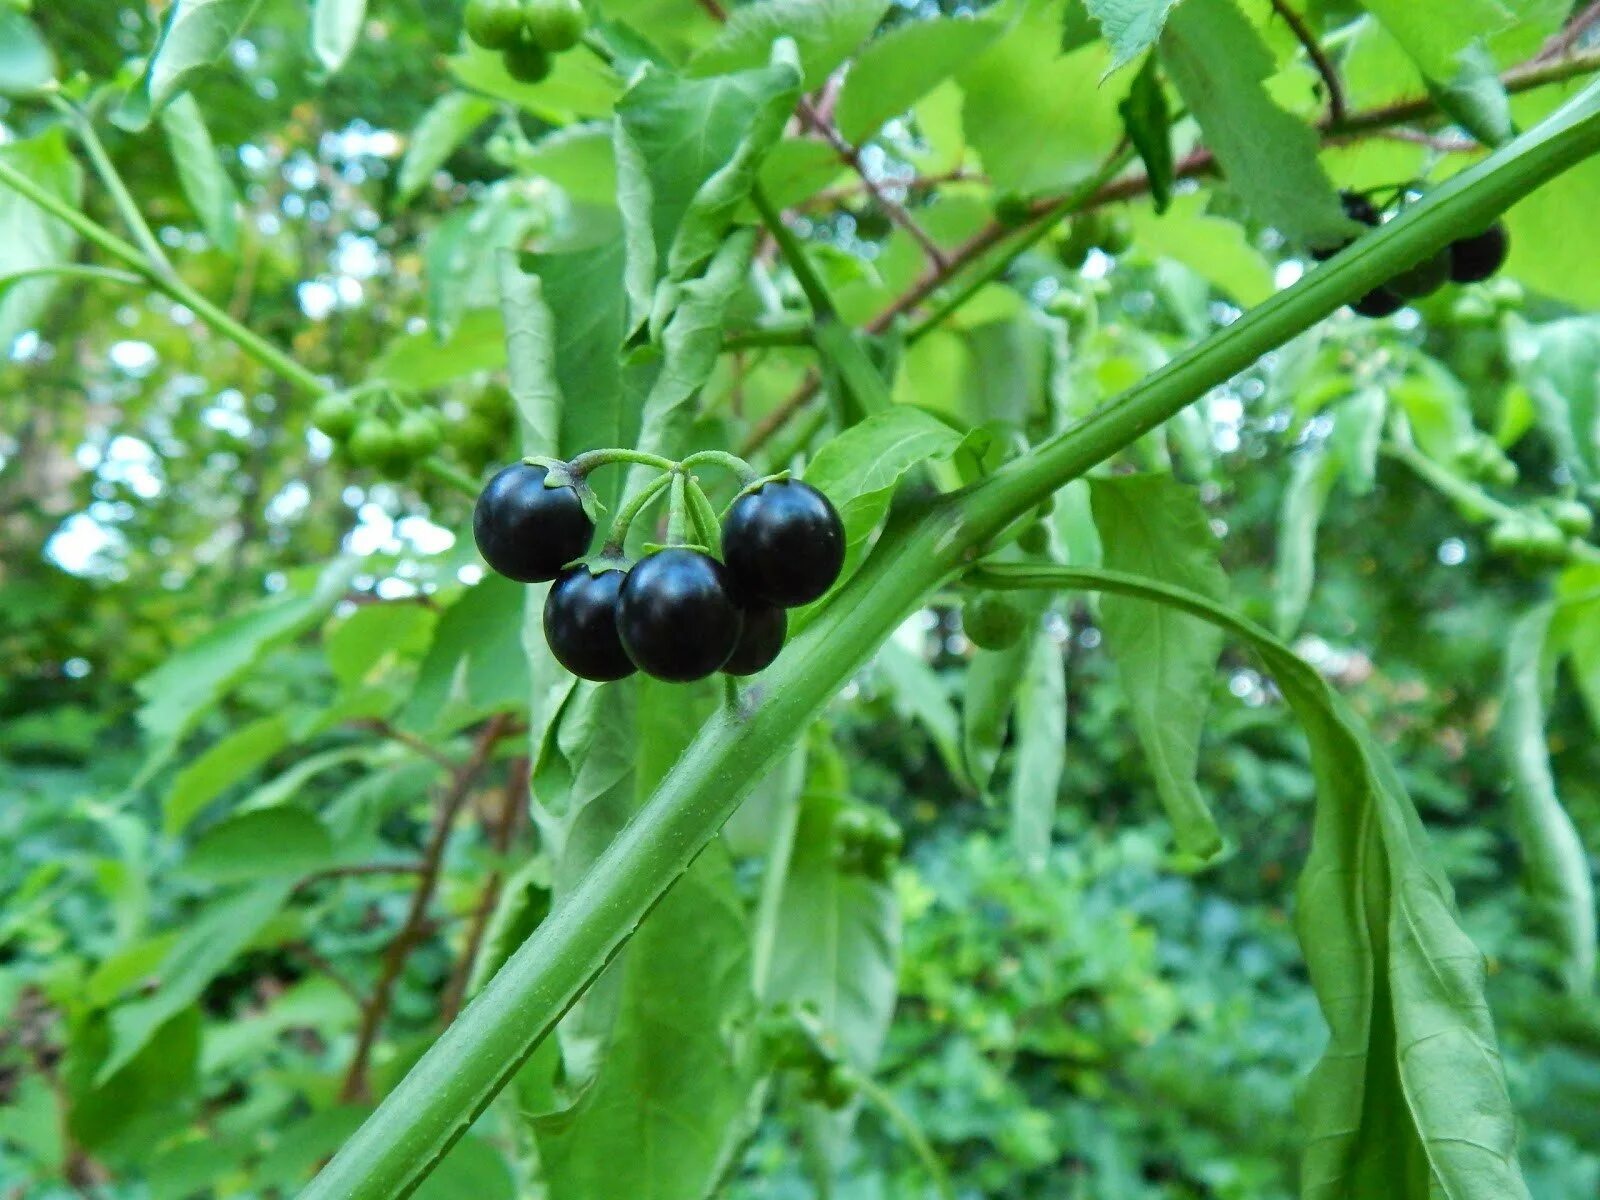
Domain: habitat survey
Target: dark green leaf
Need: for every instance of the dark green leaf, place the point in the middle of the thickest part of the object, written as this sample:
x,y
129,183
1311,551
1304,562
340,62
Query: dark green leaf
x,y
1148,119
208,187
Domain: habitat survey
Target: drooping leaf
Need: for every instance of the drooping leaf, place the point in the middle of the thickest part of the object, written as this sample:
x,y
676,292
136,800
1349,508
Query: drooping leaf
x,y
1556,871
1475,98
825,31
1269,158
1152,525
29,238
1041,751
1131,26
918,694
896,70
209,188
1310,480
222,765
1559,365
1148,119
196,34
446,124
117,1114
335,29
26,64
1436,32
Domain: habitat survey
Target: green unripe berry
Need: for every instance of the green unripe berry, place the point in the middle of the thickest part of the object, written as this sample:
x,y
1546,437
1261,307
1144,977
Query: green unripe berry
x,y
419,432
1035,539
992,622
476,433
1116,235
526,62
494,24
336,415
373,443
1572,517
555,25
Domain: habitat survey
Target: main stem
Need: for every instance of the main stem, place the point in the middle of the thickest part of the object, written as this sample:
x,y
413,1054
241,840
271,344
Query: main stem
x,y
455,1080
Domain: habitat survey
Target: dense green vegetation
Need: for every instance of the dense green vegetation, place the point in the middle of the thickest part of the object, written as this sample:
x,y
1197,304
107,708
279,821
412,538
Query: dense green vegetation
x,y
1183,792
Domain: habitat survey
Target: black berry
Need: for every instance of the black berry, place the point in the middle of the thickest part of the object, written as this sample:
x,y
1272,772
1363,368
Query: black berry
x,y
1423,279
1379,302
526,530
580,624
677,616
759,642
1474,259
784,543
1358,208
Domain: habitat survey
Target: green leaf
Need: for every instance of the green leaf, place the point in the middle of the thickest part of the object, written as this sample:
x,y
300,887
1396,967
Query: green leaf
x,y
825,31
196,34
580,159
269,843
1409,1100
207,186
1216,249
1148,119
991,692
579,85
1559,365
1131,26
185,687
919,695
1437,32
1475,98
524,901
449,121
30,239
1269,158
476,665
1041,751
688,152
1556,871
1039,120
211,939
422,361
1152,525
335,30
222,765
896,70
117,1114
1311,478
26,64
362,645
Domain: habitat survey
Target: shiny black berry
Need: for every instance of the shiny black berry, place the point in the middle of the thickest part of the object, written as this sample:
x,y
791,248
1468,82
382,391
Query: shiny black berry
x,y
1474,259
527,531
1423,279
677,616
784,543
1358,208
580,624
759,642
1379,302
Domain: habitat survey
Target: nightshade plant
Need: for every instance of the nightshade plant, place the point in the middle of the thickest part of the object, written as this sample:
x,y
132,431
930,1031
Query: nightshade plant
x,y
837,267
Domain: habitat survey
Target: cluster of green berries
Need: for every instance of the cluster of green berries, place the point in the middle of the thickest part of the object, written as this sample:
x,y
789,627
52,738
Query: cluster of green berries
x,y
866,842
823,1075
526,33
678,614
1470,259
1541,533
373,429
1109,233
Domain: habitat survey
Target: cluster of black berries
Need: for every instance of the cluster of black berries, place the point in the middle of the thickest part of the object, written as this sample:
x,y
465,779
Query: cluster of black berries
x,y
678,614
526,33
1465,260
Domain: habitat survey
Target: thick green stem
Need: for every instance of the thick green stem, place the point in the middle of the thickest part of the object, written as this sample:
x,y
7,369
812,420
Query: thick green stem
x,y
456,1079
593,460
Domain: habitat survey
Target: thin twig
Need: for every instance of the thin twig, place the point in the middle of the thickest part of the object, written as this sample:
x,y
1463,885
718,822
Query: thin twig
x,y
1567,40
410,741
362,871
412,929
322,966
1319,58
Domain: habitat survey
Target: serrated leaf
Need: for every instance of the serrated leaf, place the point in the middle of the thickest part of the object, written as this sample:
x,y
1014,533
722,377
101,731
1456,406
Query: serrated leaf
x,y
31,239
196,34
1556,872
1153,526
1218,63
825,31
447,123
335,30
206,185
896,70
1131,26
26,64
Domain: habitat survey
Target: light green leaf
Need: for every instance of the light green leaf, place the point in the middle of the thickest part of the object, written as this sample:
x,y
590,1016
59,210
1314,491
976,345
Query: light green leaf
x,y
1559,365
898,69
374,636
1131,26
991,691
919,695
1556,871
185,687
420,360
1152,525
207,186
1269,158
825,31
446,124
580,159
222,765
210,941
26,64
197,33
579,85
29,238
1436,32
1038,119
269,843
687,155
1214,248
335,29
1311,478
1041,751
475,666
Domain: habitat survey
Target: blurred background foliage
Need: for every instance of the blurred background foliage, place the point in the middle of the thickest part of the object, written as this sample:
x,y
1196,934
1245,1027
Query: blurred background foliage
x,y
1111,1026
